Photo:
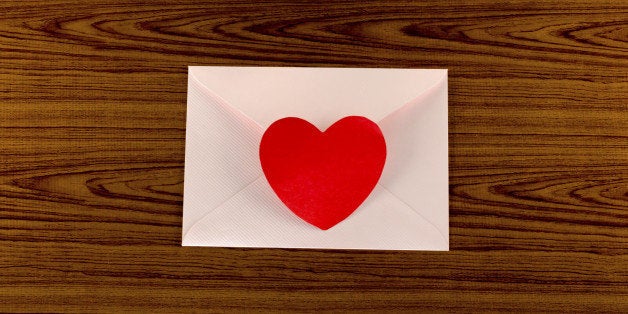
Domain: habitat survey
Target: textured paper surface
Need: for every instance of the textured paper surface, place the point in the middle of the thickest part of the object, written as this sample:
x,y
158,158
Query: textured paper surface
x,y
228,202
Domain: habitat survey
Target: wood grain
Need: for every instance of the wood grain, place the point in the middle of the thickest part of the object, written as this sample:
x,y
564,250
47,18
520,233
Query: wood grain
x,y
92,134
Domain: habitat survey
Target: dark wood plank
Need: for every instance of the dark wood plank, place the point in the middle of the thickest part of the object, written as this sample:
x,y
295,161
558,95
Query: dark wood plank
x,y
92,135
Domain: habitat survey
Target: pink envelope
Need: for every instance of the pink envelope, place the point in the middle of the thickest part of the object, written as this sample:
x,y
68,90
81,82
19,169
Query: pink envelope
x,y
228,201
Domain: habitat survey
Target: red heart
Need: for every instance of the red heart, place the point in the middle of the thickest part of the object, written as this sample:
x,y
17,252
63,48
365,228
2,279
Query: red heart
x,y
323,176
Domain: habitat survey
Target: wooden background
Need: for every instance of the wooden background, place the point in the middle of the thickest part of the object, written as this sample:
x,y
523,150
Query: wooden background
x,y
92,134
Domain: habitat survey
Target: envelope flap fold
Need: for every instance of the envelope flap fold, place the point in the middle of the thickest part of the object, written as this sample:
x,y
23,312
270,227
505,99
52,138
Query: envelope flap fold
x,y
220,153
255,217
267,94
416,170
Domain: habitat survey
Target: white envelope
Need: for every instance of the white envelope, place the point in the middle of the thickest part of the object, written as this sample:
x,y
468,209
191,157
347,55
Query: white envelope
x,y
227,200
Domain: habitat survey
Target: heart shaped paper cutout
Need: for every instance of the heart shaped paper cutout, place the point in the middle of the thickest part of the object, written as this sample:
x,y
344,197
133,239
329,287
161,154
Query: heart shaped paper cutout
x,y
323,177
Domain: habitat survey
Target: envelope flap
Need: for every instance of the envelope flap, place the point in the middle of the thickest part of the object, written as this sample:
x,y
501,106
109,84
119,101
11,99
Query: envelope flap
x,y
416,168
256,218
266,94
216,134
